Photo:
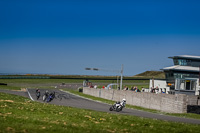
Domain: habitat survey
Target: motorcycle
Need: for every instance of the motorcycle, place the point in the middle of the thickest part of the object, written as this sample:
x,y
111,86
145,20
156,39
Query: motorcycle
x,y
45,96
51,97
118,106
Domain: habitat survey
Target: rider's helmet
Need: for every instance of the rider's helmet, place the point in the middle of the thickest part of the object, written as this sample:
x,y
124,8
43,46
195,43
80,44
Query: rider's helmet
x,y
124,99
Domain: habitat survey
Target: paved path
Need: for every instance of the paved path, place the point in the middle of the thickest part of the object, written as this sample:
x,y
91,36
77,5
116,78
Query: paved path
x,y
78,102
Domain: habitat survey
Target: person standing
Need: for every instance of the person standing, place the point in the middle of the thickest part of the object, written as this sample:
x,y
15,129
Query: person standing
x,y
142,89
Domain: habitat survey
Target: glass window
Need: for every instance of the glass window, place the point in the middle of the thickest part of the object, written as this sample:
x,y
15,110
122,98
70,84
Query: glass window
x,y
182,62
176,62
182,85
175,75
193,85
187,84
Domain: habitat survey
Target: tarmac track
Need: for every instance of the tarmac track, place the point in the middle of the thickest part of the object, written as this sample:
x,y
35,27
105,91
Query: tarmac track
x,y
79,102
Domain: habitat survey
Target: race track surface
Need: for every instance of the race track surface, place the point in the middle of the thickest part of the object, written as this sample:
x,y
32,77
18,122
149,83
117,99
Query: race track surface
x,y
79,102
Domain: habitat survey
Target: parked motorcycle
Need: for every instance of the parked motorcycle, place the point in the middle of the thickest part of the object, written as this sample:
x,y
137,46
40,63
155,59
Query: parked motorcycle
x,y
118,106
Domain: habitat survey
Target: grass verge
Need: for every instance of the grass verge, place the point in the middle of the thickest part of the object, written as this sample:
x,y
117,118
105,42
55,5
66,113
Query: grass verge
x,y
10,87
19,114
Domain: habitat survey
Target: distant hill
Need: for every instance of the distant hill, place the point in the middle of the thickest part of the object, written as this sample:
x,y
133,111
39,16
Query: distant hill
x,y
150,74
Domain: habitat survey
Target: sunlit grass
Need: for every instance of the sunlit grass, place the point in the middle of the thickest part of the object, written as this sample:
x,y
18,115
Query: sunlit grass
x,y
9,87
19,114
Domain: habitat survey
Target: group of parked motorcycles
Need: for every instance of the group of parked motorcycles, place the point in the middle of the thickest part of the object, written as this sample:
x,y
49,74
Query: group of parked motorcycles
x,y
48,97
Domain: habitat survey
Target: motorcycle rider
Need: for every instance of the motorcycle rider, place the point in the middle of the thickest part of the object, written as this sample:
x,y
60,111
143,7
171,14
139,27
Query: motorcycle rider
x,y
37,93
123,102
119,105
46,93
45,96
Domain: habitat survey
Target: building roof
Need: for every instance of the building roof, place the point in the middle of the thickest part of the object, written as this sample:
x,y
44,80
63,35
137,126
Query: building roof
x,y
182,68
186,57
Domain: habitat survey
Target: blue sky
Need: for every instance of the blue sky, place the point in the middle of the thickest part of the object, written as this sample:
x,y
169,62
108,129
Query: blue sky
x,y
64,37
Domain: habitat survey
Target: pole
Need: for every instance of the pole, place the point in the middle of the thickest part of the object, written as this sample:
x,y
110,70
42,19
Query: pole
x,y
117,82
153,82
96,69
199,75
121,77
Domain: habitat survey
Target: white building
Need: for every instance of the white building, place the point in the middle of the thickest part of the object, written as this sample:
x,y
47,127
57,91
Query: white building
x,y
184,76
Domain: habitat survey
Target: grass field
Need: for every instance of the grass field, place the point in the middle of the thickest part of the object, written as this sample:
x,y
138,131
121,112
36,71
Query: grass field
x,y
19,114
17,84
39,81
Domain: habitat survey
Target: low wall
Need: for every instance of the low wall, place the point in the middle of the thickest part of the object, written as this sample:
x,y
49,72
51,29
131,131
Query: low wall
x,y
164,102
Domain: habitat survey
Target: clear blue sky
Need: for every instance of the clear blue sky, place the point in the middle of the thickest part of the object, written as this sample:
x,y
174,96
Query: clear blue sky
x,y
65,36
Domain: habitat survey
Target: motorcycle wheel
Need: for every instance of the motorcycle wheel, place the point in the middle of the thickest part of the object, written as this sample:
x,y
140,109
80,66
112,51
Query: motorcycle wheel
x,y
111,108
118,109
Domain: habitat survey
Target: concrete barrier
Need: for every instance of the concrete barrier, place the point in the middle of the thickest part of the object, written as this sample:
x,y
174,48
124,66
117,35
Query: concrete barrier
x,y
164,102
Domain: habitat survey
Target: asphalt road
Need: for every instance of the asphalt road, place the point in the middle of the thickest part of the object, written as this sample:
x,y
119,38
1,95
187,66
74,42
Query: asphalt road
x,y
79,102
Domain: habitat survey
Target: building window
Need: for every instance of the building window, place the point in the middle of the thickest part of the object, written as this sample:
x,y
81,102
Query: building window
x,y
169,75
182,62
182,84
193,85
183,76
176,62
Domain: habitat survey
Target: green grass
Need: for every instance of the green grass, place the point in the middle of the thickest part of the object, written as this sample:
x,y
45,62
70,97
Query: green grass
x,y
19,114
150,74
16,84
9,87
185,115
39,81
42,81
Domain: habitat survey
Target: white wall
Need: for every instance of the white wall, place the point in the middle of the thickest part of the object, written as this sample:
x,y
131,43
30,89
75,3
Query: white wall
x,y
161,84
197,88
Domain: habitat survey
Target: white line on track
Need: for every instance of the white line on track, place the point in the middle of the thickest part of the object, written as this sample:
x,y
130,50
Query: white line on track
x,y
29,95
